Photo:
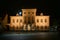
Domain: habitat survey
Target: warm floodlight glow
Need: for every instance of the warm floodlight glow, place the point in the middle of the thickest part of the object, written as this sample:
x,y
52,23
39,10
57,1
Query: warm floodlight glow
x,y
29,20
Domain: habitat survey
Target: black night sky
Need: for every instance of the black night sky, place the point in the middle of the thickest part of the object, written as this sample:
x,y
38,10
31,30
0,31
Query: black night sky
x,y
47,7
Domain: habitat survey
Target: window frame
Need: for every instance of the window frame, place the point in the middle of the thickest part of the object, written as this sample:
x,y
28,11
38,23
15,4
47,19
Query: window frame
x,y
37,20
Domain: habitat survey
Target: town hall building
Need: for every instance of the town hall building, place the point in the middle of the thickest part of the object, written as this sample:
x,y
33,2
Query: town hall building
x,y
29,21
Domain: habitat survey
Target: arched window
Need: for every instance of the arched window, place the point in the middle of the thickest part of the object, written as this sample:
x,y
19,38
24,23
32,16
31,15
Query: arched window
x,y
45,27
41,27
28,12
32,12
37,20
17,27
20,20
45,20
24,12
37,27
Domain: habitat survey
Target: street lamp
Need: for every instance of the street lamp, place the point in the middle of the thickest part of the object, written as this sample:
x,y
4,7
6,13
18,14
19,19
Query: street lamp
x,y
20,13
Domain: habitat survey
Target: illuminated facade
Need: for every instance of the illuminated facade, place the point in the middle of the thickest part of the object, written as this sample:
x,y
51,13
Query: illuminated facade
x,y
16,22
42,22
29,18
29,15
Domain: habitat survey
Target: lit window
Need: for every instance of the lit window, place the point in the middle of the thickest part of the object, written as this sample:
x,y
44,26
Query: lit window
x,y
24,12
37,26
45,20
45,27
28,12
37,20
21,20
17,27
32,12
41,27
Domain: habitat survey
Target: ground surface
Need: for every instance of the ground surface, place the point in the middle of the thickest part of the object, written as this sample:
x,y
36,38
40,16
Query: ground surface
x,y
30,36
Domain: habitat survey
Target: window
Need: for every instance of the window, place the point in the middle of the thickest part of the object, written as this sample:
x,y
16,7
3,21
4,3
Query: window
x,y
45,27
17,27
45,20
37,20
28,12
37,27
41,20
41,27
21,20
32,12
24,12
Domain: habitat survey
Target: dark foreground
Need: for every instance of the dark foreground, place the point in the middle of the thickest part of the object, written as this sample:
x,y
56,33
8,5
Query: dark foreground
x,y
30,36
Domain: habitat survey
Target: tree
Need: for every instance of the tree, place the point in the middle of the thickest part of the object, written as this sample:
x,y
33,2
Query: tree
x,y
5,21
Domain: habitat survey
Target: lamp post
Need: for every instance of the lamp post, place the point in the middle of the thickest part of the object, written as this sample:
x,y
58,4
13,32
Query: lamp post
x,y
20,13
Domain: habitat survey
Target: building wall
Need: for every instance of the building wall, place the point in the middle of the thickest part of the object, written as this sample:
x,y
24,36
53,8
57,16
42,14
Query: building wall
x,y
42,21
16,21
29,15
